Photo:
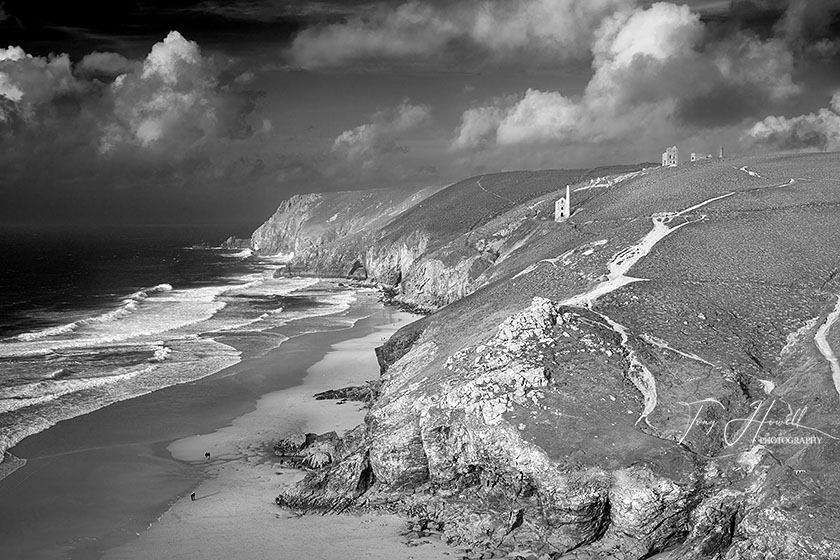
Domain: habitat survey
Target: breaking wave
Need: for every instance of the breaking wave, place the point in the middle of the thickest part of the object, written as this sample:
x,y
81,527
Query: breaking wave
x,y
243,254
129,305
155,338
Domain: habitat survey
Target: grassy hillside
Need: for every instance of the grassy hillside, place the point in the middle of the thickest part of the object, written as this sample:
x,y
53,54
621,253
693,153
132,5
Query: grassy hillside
x,y
604,415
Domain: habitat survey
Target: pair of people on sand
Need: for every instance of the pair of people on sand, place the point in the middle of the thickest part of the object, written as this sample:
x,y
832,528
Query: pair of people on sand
x,y
207,457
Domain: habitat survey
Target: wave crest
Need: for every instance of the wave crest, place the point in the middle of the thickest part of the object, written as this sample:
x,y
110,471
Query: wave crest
x,y
129,305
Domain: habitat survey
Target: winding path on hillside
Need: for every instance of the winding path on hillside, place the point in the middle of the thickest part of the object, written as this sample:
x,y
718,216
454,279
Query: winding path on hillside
x,y
821,340
500,197
618,267
617,277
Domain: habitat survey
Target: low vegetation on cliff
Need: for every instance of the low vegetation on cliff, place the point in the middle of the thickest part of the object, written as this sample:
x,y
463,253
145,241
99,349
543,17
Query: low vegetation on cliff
x,y
655,377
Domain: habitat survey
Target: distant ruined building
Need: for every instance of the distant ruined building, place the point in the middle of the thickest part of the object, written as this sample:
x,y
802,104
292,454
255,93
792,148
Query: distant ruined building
x,y
671,157
563,207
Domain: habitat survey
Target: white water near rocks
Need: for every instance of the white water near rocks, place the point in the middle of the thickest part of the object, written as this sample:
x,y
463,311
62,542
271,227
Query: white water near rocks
x,y
156,338
821,340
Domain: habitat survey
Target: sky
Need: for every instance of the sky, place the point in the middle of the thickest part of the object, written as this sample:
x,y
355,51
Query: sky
x,y
213,111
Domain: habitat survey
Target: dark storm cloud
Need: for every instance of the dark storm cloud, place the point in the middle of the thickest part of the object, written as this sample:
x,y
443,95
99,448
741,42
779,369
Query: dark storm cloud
x,y
105,66
273,10
808,21
133,119
166,125
130,27
8,20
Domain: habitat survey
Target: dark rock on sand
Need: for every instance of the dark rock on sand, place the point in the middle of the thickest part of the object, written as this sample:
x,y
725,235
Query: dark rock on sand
x,y
309,450
363,393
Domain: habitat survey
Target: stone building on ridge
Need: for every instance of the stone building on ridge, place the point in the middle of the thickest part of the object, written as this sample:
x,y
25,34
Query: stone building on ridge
x,y
563,207
671,157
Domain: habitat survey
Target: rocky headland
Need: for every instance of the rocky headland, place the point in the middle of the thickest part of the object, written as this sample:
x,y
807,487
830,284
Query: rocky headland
x,y
654,378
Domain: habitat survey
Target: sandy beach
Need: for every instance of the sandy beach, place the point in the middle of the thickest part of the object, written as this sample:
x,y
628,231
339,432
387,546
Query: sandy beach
x,y
234,515
116,482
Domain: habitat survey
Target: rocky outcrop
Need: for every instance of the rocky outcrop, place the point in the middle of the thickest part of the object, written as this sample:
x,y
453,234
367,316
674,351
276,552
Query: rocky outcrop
x,y
398,345
674,416
309,450
236,243
488,448
363,393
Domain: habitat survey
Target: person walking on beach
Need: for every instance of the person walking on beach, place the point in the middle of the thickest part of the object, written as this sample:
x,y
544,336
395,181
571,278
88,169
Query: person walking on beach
x,y
192,496
207,455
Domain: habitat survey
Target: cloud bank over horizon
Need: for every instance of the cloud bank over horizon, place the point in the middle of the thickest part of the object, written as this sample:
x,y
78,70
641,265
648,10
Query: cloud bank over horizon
x,y
369,94
654,69
134,122
502,29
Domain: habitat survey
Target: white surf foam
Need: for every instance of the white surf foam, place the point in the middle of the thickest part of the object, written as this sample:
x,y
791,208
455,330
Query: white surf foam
x,y
141,317
243,254
39,392
38,406
165,340
129,305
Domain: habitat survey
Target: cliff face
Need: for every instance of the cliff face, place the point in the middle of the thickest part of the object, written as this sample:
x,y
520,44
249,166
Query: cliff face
x,y
651,379
434,246
304,224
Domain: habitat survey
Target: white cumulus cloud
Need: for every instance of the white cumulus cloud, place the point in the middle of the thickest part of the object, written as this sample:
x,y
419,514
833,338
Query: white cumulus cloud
x,y
171,101
820,130
31,82
12,53
547,29
368,142
651,67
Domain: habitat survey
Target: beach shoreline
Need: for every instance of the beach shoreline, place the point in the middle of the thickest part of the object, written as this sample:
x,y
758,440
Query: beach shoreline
x,y
95,482
234,514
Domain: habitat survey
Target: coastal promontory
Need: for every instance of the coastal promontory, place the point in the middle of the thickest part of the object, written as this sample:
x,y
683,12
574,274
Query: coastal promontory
x,y
653,377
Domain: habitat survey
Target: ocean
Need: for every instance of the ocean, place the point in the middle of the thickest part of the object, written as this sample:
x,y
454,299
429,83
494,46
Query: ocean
x,y
91,317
